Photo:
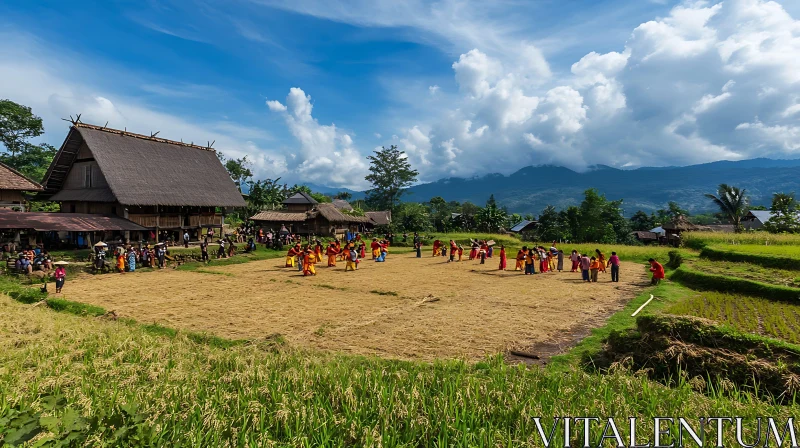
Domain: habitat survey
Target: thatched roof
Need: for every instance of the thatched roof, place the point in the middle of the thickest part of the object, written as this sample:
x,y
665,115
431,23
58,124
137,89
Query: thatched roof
x,y
341,204
279,216
71,222
327,211
681,224
142,170
643,235
300,198
379,218
332,214
11,179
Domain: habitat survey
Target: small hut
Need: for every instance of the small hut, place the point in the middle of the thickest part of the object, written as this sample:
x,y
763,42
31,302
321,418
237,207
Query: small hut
x,y
680,224
12,184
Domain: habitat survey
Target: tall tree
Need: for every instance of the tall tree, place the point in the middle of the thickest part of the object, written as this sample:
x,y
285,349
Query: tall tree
x,y
412,217
491,218
642,221
390,175
732,203
343,195
239,170
783,214
550,226
17,125
668,214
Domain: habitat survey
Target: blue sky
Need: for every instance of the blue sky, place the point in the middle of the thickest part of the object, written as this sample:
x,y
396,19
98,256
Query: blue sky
x,y
307,88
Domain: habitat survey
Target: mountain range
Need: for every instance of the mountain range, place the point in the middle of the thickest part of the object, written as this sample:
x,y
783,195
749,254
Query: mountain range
x,y
532,188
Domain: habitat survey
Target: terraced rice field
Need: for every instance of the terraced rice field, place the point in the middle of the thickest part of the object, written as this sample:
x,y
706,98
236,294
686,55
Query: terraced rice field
x,y
760,249
748,271
750,314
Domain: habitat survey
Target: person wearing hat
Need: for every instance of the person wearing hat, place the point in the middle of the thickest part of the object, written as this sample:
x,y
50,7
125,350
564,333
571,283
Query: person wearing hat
x,y
60,276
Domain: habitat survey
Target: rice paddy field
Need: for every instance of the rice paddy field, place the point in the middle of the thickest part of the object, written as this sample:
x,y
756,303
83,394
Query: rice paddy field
x,y
778,250
749,271
697,240
98,382
748,314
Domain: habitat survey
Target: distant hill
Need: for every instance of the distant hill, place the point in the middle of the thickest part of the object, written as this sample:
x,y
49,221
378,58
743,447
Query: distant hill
x,y
532,188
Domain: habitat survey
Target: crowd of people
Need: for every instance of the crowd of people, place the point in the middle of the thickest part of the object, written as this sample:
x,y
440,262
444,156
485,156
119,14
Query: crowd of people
x,y
353,251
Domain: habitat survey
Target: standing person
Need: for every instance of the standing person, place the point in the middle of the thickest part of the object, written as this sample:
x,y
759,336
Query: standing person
x,y
460,252
131,259
553,256
60,276
530,259
594,266
521,254
221,249
418,247
586,263
482,254
210,234
657,270
503,261
601,258
204,251
473,252
308,262
560,265
120,262
318,251
613,261
362,249
144,256
453,250
186,239
376,248
162,256
331,253
576,260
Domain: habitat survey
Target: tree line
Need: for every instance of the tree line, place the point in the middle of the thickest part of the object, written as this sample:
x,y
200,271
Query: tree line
x,y
596,219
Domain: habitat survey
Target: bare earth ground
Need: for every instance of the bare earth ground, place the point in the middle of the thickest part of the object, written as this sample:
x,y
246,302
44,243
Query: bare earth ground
x,y
480,310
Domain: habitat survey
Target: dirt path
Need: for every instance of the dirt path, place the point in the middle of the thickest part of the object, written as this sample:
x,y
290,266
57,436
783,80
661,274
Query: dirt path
x,y
405,308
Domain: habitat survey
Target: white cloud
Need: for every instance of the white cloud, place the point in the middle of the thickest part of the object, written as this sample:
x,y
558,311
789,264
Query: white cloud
x,y
326,155
709,101
276,106
377,135
433,89
786,136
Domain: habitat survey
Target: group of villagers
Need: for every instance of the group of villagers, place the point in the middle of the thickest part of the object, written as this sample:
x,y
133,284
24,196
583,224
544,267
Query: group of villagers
x,y
352,252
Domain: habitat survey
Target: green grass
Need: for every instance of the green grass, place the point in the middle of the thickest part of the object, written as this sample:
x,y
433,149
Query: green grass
x,y
664,294
698,240
748,271
703,281
252,395
384,293
779,250
747,314
239,258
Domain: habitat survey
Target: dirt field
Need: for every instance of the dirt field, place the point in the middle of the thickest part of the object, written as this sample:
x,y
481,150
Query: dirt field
x,y
405,308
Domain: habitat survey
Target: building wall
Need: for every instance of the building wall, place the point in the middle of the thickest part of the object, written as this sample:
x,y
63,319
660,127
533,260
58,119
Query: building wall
x,y
11,196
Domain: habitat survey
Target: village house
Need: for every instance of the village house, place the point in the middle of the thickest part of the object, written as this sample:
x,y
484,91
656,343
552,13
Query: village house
x,y
161,185
12,185
755,219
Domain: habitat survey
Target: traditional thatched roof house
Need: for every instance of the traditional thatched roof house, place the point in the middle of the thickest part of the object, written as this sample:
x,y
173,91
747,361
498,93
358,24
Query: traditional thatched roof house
x,y
156,183
381,218
12,184
320,219
645,237
341,204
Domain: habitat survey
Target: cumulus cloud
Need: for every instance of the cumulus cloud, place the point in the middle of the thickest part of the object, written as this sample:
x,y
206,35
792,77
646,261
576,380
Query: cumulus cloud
x,y
685,88
325,154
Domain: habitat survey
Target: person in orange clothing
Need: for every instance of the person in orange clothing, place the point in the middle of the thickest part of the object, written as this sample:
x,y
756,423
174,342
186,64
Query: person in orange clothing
x,y
376,248
594,267
437,248
318,251
309,259
521,258
601,258
657,270
292,254
503,261
460,252
332,252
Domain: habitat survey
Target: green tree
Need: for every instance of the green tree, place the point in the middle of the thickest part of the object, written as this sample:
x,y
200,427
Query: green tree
x,y
571,222
343,195
468,218
732,203
239,170
390,175
17,125
267,194
550,226
412,217
513,219
642,221
491,218
668,214
783,214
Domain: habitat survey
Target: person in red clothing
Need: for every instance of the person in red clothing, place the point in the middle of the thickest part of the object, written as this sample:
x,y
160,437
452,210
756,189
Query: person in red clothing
x,y
332,252
453,250
657,270
502,258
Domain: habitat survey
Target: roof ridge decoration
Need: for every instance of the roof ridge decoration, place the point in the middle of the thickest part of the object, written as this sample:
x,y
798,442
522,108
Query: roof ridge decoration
x,y
152,137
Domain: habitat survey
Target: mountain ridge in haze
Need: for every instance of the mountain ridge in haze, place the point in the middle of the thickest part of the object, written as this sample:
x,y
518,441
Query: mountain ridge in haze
x,y
530,189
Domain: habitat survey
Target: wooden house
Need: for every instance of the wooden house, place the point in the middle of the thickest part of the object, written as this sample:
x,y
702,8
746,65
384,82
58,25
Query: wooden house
x,y
320,219
12,184
156,183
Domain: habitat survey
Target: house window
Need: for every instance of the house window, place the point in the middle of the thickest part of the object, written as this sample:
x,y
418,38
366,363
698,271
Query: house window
x,y
87,176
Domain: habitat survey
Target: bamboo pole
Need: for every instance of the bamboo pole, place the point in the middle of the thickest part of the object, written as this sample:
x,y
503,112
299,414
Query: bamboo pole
x,y
642,307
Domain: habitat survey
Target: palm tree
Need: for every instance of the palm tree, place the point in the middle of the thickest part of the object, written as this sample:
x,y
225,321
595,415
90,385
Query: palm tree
x,y
732,203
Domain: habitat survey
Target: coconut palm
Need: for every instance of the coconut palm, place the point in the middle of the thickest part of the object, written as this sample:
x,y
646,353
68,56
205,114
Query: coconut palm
x,y
732,203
